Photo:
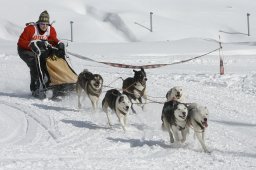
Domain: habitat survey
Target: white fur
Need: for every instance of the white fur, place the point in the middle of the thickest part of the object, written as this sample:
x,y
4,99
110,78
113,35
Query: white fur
x,y
123,106
176,93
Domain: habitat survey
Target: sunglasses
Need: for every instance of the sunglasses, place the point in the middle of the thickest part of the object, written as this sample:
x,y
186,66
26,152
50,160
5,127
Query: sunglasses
x,y
44,24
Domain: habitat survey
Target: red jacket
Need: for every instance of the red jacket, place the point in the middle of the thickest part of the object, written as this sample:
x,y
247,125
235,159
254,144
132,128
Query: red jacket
x,y
31,32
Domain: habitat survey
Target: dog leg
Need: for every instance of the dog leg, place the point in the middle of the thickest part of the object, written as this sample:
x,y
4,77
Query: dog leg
x,y
122,121
133,109
175,133
109,122
140,103
168,127
199,136
146,100
94,101
184,134
105,109
79,92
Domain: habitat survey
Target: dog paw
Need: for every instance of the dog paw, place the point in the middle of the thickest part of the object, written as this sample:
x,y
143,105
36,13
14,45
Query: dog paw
x,y
207,151
144,109
109,124
182,140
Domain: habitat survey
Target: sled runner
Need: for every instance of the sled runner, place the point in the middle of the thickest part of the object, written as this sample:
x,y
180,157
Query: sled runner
x,y
56,77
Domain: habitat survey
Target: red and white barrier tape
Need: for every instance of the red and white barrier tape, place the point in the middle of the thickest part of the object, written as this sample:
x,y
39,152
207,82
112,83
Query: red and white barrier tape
x,y
138,67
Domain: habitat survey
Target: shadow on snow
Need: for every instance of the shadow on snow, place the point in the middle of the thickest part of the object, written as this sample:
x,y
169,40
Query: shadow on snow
x,y
83,124
140,142
55,108
234,123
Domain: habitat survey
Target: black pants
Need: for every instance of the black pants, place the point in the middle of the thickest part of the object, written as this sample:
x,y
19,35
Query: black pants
x,y
30,59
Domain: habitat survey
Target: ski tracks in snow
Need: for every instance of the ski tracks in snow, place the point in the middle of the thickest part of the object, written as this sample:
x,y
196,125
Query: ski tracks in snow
x,y
32,120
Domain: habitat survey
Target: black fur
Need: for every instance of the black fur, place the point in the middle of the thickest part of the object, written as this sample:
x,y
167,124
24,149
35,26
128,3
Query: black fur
x,y
168,111
130,83
84,77
110,98
91,84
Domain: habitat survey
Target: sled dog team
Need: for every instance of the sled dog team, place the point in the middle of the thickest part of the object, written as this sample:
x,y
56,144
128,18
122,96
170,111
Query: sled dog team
x,y
177,115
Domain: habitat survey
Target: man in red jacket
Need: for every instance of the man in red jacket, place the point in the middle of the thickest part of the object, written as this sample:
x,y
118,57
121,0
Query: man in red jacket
x,y
33,39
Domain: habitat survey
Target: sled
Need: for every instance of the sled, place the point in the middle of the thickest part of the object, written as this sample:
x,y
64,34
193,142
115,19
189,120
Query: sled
x,y
56,77
62,77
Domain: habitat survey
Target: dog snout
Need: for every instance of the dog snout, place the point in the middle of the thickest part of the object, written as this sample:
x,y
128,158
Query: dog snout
x,y
145,78
97,83
178,94
184,114
205,119
127,107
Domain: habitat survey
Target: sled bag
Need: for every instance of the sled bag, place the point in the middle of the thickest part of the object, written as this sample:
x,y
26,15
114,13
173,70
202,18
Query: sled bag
x,y
60,72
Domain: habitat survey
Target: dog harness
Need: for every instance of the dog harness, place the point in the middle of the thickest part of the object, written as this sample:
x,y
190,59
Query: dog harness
x,y
199,124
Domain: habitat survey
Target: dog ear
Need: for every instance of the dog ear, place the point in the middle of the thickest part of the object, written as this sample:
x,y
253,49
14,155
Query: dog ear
x,y
142,69
168,93
186,104
121,99
85,70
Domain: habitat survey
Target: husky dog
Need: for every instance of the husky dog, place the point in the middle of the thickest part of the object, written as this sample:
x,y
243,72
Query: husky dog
x,y
91,84
135,87
119,103
174,117
198,120
176,93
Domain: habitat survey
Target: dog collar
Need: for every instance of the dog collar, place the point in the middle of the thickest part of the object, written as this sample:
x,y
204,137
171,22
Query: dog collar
x,y
181,128
123,113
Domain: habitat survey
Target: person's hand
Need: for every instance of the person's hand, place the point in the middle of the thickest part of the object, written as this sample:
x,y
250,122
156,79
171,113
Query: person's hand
x,y
61,46
37,46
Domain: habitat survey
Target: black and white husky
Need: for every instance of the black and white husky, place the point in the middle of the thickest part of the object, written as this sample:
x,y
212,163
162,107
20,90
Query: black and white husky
x,y
174,117
135,87
91,84
198,121
119,103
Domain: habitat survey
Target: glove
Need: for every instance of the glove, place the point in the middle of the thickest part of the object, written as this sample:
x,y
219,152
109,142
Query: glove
x,y
61,50
37,46
61,46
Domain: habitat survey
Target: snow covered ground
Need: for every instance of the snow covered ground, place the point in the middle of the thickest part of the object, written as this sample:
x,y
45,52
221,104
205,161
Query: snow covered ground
x,y
44,134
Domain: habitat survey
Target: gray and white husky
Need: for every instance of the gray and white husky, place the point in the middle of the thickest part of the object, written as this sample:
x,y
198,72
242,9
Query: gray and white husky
x,y
118,103
198,120
91,84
